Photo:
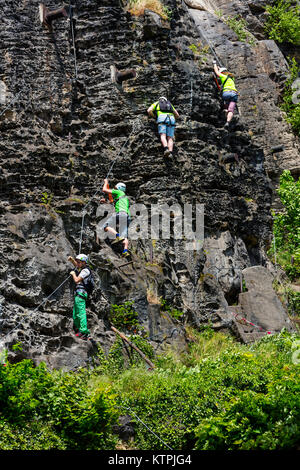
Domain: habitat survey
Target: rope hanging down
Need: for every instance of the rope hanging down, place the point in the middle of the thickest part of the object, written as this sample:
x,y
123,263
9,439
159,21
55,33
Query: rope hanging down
x,y
205,38
244,321
42,303
100,189
152,432
73,38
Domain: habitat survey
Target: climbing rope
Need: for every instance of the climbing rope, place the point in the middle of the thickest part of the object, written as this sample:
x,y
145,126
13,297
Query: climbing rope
x,y
42,303
100,189
145,425
243,321
73,38
205,38
12,102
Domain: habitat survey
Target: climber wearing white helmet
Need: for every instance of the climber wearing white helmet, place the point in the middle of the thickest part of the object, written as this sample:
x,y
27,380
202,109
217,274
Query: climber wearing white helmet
x,y
229,91
80,276
165,113
117,225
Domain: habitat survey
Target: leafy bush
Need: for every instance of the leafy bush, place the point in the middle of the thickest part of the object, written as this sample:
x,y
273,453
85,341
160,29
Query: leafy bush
x,y
124,317
291,97
117,359
283,23
239,26
264,421
65,410
286,226
173,312
243,397
217,395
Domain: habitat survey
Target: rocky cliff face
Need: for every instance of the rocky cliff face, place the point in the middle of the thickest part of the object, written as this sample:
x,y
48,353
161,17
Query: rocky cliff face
x,y
64,124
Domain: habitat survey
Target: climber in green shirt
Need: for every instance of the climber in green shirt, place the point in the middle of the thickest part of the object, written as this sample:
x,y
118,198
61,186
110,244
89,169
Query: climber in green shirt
x,y
121,218
229,91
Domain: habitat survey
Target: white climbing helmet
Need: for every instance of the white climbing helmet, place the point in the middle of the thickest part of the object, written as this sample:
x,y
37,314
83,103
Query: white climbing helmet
x,y
163,98
222,69
82,257
121,187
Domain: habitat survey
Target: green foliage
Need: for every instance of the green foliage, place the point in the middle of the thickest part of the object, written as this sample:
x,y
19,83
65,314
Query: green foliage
x,y
283,22
289,297
124,317
200,52
239,26
217,395
250,421
47,198
291,97
121,357
57,406
172,311
286,226
202,404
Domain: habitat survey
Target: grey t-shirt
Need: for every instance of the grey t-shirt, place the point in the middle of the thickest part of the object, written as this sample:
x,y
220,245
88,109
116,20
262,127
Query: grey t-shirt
x,y
84,273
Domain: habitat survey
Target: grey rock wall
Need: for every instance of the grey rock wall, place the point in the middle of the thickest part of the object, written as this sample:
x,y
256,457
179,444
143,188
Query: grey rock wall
x,y
62,126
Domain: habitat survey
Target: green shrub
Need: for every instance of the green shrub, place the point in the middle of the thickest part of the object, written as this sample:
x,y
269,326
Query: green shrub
x,y
60,402
217,395
264,421
172,311
283,23
239,26
124,317
190,407
286,226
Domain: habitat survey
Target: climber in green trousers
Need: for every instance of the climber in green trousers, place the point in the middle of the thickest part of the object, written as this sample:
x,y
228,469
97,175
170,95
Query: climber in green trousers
x,y
81,273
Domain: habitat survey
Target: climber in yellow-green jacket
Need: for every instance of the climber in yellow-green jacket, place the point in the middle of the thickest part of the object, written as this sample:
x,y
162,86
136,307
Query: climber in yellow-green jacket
x,y
229,91
165,115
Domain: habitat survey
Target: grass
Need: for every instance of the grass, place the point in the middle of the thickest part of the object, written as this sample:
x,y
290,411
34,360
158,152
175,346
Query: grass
x,y
217,395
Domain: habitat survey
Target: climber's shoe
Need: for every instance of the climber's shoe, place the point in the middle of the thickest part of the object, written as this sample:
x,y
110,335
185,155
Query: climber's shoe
x,y
83,336
125,253
117,240
166,152
226,126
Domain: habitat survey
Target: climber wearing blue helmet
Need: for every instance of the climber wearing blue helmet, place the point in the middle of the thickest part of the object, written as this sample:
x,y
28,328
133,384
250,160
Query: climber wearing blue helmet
x,y
121,218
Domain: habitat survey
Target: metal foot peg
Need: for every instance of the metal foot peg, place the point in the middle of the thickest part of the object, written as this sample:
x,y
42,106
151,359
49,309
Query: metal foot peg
x,y
47,16
120,77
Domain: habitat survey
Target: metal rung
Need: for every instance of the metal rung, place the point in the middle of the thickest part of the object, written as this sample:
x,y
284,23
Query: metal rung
x,y
47,16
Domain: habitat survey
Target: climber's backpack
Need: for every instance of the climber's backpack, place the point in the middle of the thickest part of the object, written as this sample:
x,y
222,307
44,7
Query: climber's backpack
x,y
164,106
89,283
